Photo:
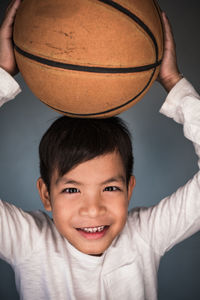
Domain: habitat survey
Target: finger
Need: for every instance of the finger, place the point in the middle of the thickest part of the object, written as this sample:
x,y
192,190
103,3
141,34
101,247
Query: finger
x,y
169,42
10,13
9,5
168,33
12,9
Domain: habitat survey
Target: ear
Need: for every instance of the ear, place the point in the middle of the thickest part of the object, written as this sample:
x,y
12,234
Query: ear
x,y
131,186
44,194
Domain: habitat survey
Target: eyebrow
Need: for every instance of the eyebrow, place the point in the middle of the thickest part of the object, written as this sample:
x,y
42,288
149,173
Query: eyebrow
x,y
67,181
118,178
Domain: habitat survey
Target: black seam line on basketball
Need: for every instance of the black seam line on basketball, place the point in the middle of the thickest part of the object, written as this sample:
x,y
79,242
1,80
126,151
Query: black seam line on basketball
x,y
134,18
60,65
106,111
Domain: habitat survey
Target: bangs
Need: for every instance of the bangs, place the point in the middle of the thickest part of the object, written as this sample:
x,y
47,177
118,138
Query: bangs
x,y
71,141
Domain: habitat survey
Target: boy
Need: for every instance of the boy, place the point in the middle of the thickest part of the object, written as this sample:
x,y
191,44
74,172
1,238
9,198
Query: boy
x,y
92,249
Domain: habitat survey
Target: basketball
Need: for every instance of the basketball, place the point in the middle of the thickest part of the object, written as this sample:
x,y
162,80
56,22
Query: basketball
x,y
89,58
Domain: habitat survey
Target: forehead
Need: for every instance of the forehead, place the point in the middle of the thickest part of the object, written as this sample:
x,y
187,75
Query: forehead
x,y
97,170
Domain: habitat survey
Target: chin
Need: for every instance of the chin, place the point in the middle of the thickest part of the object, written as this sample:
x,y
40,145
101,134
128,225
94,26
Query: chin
x,y
94,251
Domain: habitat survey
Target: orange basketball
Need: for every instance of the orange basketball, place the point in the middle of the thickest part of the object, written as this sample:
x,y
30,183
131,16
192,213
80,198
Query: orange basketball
x,y
89,58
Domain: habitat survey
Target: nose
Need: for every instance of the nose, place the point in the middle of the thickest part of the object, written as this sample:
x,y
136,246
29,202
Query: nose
x,y
92,206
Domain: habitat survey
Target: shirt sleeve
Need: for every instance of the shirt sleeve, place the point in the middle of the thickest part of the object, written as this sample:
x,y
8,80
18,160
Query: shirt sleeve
x,y
20,232
9,88
183,105
177,216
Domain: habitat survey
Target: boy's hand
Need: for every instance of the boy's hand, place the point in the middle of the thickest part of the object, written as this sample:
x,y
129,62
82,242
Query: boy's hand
x,y
7,57
169,74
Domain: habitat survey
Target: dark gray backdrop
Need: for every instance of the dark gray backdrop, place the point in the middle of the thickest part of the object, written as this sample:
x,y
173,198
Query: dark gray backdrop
x,y
164,158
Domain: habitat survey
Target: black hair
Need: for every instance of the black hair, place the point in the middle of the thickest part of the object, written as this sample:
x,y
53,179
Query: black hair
x,y
71,141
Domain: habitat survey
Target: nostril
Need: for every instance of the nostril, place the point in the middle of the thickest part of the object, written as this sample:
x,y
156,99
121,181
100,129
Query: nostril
x,y
92,210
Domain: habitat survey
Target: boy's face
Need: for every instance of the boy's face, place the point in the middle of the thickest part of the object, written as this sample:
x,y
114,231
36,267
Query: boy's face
x,y
89,204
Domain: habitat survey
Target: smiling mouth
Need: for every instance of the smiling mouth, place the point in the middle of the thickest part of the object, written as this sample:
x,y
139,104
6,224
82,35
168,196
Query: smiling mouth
x,y
93,229
93,232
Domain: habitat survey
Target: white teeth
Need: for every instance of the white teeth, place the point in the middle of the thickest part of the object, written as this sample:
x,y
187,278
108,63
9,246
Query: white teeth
x,y
93,229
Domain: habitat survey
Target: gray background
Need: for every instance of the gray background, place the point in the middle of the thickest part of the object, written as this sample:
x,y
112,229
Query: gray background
x,y
164,158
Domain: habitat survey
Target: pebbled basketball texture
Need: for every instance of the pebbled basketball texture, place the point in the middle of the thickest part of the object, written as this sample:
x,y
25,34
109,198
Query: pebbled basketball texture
x,y
89,58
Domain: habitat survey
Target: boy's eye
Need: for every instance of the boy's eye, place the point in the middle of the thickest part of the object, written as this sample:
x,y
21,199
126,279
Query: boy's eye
x,y
111,189
71,190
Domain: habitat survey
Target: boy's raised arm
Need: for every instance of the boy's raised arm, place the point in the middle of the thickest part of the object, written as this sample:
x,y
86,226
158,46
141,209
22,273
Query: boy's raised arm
x,y
7,57
8,68
177,216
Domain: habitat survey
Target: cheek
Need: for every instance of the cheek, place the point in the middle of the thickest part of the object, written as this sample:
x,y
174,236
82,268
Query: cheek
x,y
61,212
119,211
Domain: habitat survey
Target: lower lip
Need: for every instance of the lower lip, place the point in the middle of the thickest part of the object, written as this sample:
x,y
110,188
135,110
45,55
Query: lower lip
x,y
93,235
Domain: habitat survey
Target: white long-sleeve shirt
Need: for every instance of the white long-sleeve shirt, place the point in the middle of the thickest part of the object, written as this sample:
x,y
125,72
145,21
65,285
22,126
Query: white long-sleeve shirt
x,y
48,267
